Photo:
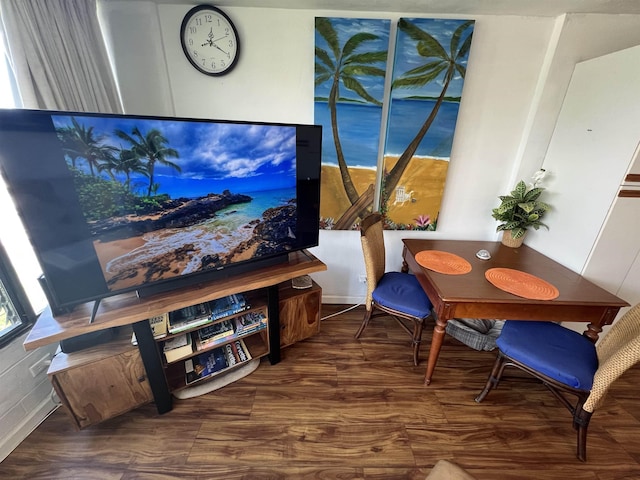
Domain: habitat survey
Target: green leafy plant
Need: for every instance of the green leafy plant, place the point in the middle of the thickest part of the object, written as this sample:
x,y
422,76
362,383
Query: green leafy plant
x,y
521,209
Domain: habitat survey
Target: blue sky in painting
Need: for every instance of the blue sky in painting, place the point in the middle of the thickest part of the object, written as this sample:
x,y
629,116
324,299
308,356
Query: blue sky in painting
x,y
407,58
346,28
213,155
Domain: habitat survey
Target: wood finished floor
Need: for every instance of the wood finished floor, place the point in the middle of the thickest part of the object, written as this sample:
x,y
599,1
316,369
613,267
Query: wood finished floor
x,y
337,408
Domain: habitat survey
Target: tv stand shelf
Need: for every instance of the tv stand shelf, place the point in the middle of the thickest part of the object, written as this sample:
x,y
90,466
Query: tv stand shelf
x,y
129,309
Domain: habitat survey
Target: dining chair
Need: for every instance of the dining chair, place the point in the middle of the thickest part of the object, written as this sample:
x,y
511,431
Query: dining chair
x,y
394,294
568,363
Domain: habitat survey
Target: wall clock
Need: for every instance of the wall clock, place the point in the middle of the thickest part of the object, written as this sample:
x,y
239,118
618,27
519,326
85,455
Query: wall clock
x,y
210,40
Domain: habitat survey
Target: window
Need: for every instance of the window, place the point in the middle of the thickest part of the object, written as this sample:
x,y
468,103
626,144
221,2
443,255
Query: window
x,y
20,292
16,313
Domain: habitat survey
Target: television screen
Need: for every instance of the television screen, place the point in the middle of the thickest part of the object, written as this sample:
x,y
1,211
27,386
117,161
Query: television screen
x,y
115,203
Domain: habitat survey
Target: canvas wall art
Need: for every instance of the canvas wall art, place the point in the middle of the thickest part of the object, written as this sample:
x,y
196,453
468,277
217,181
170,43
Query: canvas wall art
x,y
430,64
350,67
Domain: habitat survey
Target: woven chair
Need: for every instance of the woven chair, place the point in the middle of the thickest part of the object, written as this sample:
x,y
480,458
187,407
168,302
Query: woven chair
x,y
569,363
394,294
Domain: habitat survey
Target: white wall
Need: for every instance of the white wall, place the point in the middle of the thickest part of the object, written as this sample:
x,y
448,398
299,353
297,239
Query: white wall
x,y
24,400
518,72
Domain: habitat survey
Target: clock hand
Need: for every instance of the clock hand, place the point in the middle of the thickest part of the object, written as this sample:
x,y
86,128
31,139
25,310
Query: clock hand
x,y
214,45
225,36
209,40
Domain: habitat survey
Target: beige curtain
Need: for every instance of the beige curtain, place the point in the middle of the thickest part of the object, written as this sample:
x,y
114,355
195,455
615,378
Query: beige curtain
x,y
58,55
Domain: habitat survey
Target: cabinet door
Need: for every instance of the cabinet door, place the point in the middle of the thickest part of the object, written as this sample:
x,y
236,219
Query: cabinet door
x,y
103,389
299,313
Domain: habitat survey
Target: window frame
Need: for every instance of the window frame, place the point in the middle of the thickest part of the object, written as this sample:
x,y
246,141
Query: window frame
x,y
17,297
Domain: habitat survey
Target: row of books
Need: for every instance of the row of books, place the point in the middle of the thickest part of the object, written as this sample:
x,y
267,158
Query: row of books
x,y
208,336
214,361
203,313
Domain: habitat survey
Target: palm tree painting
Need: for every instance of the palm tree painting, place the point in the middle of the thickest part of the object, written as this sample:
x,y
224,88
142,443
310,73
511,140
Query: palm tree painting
x,y
350,67
429,70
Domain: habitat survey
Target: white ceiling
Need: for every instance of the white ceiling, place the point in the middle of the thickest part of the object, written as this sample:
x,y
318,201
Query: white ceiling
x,y
541,8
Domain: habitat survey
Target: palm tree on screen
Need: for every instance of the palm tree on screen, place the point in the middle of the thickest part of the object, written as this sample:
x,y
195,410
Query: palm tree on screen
x,y
127,162
438,62
343,66
81,142
151,147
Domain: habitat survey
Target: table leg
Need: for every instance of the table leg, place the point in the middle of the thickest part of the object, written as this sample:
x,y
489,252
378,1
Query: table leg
x,y
434,350
595,328
592,332
405,265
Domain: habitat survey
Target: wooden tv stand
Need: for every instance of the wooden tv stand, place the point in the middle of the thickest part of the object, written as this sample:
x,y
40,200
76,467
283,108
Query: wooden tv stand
x,y
128,309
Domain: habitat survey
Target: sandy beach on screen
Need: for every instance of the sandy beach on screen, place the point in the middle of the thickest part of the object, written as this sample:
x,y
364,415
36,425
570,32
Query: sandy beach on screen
x,y
424,176
107,251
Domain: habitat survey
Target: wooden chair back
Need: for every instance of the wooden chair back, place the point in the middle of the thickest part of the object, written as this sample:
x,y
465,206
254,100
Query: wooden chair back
x,y
372,239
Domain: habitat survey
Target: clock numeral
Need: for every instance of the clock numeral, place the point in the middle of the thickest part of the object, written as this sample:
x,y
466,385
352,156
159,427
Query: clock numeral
x,y
198,21
191,42
193,30
208,18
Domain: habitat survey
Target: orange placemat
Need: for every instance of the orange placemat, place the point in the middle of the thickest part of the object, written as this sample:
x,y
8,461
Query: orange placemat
x,y
443,262
521,284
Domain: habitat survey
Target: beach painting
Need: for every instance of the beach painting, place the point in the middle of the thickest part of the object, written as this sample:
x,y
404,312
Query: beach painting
x,y
429,68
164,198
350,67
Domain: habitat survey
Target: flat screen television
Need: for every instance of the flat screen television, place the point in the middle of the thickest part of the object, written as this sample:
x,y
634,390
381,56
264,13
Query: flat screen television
x,y
117,203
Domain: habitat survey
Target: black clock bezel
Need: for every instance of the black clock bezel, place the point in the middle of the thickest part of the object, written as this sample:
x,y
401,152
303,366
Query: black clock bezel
x,y
183,27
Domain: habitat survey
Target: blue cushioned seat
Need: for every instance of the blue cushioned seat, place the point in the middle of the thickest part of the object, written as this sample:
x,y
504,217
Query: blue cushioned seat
x,y
551,349
568,363
395,294
402,292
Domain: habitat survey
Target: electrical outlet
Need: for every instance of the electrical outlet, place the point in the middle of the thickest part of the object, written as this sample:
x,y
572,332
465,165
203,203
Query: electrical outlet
x,y
362,278
40,365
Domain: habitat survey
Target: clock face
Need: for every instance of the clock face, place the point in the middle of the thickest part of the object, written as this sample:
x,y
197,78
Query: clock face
x,y
209,40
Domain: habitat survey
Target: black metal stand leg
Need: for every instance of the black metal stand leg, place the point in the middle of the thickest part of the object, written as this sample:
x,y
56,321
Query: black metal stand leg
x,y
153,365
273,300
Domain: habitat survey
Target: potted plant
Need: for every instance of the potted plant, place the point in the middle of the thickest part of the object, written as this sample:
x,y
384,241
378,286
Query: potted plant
x,y
521,210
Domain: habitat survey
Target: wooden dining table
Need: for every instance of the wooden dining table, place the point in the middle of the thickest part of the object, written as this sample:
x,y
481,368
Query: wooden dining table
x,y
472,295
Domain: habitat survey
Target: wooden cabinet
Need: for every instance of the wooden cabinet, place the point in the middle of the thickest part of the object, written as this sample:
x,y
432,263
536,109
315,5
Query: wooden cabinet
x,y
299,312
101,382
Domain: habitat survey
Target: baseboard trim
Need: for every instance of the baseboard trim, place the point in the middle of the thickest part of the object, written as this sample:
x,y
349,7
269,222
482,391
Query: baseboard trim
x,y
342,300
14,438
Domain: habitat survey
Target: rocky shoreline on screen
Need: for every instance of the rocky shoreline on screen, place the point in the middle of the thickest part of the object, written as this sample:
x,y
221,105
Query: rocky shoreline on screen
x,y
178,213
271,235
